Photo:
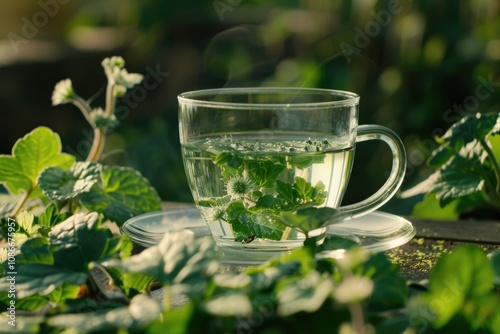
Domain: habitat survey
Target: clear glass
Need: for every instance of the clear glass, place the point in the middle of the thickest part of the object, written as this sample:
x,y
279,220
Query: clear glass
x,y
245,149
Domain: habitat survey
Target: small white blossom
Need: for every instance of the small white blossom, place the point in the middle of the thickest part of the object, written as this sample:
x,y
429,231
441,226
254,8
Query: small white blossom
x,y
63,92
110,63
125,79
216,213
119,76
353,290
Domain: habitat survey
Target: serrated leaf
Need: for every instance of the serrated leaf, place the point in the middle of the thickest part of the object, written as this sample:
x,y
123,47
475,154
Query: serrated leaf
x,y
460,177
31,154
305,160
309,219
135,317
33,278
260,223
264,173
26,222
51,216
464,275
78,241
35,250
125,193
472,127
59,184
179,258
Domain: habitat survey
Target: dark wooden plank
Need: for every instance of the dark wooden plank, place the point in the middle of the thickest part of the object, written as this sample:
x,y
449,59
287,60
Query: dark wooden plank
x,y
482,231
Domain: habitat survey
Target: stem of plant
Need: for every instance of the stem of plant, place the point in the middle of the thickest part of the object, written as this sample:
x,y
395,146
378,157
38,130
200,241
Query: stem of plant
x,y
97,145
357,319
286,233
21,203
494,162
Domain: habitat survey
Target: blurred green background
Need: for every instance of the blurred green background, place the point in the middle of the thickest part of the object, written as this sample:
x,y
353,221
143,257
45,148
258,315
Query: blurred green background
x,y
418,66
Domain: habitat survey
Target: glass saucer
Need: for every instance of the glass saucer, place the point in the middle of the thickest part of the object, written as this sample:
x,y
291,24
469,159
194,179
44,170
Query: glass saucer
x,y
377,231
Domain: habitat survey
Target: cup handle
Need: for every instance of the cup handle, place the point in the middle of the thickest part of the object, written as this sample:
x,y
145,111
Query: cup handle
x,y
391,186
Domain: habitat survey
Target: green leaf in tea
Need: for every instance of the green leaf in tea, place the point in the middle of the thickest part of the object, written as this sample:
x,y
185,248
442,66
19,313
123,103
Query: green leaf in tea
x,y
309,219
264,172
59,184
39,149
254,221
125,193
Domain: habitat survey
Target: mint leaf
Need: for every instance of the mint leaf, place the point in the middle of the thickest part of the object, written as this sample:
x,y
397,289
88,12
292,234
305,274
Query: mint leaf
x,y
33,278
472,127
254,221
264,173
26,223
458,178
51,216
309,219
59,184
466,274
77,241
125,193
31,154
35,250
305,160
179,258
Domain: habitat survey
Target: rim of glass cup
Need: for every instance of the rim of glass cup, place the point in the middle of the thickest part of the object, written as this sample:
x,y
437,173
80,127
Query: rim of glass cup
x,y
196,97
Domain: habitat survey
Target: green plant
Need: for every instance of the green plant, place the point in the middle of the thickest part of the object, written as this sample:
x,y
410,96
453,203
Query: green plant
x,y
301,292
258,203
467,172
62,270
41,174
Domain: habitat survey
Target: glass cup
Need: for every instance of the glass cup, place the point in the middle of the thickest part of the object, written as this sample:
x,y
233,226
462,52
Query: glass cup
x,y
251,153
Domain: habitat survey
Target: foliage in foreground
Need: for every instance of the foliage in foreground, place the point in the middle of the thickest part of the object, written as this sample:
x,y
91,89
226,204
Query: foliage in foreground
x,y
301,292
65,272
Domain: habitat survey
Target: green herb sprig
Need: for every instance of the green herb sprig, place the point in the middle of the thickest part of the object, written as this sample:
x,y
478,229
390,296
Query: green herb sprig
x,y
467,165
40,173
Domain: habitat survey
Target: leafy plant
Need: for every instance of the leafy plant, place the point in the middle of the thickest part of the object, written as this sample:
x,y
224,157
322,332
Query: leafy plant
x,y
257,202
64,271
296,293
40,173
467,167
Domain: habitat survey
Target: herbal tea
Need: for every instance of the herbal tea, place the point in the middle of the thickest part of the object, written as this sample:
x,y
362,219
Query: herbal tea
x,y
242,182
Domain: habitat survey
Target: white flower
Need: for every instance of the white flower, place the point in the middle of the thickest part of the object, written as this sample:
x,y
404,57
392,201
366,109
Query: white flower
x,y
63,92
110,63
238,187
353,289
216,212
119,76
